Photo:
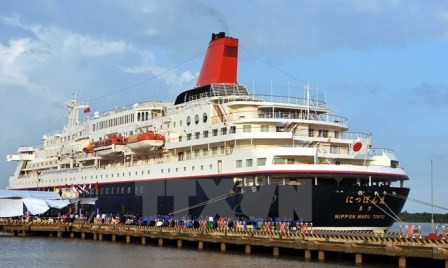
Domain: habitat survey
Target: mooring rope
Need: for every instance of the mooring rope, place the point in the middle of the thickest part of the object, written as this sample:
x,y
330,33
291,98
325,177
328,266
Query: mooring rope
x,y
371,201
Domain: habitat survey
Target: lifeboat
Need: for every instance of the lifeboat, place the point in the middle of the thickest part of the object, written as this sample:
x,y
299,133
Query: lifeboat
x,y
112,145
89,149
145,141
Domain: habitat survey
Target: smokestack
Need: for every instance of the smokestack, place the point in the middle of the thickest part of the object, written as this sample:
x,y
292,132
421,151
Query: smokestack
x,y
220,62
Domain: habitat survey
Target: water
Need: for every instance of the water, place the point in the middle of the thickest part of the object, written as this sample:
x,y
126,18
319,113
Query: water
x,y
65,252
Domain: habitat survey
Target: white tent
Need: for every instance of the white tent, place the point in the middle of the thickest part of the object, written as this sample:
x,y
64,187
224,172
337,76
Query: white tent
x,y
11,202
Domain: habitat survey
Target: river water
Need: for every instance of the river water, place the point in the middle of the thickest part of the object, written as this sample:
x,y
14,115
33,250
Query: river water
x,y
65,252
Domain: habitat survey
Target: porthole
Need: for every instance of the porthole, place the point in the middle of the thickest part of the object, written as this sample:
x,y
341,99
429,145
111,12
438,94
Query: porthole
x,y
188,120
196,119
204,117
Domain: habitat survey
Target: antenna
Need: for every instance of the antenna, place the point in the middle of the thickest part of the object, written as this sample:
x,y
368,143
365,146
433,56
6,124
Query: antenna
x,y
432,202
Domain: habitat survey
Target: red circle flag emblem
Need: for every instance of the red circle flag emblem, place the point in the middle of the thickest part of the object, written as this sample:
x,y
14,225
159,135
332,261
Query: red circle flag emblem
x,y
357,146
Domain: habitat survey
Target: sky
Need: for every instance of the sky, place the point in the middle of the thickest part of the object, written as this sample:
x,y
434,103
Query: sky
x,y
381,64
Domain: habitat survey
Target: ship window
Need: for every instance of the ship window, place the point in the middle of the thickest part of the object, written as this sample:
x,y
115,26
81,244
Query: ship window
x,y
310,132
188,136
261,161
215,132
249,181
188,120
204,117
264,128
205,133
112,190
247,128
118,175
260,180
196,153
323,133
180,138
177,169
129,190
161,171
214,150
197,135
143,173
107,190
169,170
249,162
141,189
180,123
174,123
204,152
336,134
149,172
232,129
223,131
278,161
122,190
202,167
192,167
211,166
185,168
196,119
239,163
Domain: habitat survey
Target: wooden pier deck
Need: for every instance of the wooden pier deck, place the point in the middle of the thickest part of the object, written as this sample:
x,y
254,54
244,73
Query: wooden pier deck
x,y
356,245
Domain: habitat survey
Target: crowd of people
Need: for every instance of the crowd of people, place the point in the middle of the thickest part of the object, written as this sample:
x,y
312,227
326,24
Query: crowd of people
x,y
220,223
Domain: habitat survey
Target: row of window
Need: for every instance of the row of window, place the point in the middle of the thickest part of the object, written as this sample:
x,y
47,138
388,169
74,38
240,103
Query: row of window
x,y
121,120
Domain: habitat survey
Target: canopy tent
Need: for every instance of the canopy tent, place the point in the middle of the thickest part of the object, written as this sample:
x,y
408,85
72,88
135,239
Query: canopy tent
x,y
12,202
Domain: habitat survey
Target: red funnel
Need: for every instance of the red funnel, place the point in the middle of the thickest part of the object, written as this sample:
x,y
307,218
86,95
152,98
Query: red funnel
x,y
221,61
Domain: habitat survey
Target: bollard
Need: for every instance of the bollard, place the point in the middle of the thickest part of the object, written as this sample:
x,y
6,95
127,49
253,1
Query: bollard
x,y
179,243
402,262
143,240
114,238
201,245
83,236
276,252
160,242
128,239
223,247
100,237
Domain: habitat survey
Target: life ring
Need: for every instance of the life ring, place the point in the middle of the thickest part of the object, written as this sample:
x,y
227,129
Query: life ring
x,y
304,229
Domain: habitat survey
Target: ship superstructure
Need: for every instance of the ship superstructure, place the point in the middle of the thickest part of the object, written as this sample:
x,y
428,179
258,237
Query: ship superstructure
x,y
220,150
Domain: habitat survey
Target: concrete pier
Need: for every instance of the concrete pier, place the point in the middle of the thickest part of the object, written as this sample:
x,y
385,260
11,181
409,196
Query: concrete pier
x,y
404,250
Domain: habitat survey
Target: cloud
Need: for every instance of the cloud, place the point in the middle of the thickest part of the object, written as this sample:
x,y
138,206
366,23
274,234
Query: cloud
x,y
432,94
318,26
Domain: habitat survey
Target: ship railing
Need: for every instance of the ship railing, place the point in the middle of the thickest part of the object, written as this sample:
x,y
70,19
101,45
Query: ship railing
x,y
381,151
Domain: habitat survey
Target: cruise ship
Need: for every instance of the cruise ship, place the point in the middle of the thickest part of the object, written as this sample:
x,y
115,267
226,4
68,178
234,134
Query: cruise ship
x,y
219,150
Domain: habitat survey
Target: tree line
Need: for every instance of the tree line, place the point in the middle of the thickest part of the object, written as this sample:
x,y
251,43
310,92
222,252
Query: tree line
x,y
423,217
